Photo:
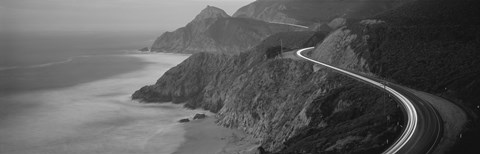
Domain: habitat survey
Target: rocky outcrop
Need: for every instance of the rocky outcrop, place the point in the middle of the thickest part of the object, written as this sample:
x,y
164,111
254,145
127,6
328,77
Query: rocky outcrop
x,y
281,101
199,116
210,12
338,50
214,31
144,49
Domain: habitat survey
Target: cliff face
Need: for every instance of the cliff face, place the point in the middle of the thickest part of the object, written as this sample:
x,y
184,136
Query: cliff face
x,y
281,101
291,108
214,31
338,50
307,12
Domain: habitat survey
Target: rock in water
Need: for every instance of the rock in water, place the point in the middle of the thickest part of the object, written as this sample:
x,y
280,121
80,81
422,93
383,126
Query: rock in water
x,y
199,116
184,120
145,49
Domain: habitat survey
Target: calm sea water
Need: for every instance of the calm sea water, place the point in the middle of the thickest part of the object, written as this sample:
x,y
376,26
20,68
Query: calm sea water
x,y
40,60
70,93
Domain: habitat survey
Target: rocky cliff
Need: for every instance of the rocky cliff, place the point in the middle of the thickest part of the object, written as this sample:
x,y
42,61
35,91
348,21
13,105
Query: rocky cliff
x,y
286,103
214,31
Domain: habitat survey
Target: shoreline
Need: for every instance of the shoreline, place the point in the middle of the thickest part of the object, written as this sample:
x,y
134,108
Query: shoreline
x,y
99,115
96,116
204,136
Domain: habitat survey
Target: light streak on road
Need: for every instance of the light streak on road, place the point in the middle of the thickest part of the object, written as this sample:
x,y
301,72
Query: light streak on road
x,y
406,103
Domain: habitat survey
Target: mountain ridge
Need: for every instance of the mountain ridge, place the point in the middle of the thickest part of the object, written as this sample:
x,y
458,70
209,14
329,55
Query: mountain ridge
x,y
211,12
311,12
214,31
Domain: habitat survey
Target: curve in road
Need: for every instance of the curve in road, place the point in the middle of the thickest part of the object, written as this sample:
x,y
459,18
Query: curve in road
x,y
423,126
295,25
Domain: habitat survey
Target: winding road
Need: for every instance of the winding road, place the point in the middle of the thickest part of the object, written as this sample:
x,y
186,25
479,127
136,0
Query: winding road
x,y
294,25
424,126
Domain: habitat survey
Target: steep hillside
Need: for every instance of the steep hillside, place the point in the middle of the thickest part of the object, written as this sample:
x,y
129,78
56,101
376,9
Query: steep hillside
x,y
307,12
291,107
432,46
214,31
283,102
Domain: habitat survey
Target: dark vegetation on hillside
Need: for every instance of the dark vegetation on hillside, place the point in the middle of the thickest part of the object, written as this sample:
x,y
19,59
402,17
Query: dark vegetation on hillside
x,y
322,11
239,31
275,51
372,112
293,40
315,11
432,46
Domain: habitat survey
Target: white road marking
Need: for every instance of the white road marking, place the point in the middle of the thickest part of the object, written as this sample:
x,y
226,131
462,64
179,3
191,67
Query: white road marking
x,y
289,24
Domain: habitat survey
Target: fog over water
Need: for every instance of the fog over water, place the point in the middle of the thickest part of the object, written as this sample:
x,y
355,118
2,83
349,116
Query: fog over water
x,y
94,117
70,93
104,15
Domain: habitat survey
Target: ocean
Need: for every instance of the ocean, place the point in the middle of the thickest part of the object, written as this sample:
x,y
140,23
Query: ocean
x,y
42,60
69,92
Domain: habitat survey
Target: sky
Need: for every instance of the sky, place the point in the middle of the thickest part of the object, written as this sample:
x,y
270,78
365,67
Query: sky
x,y
104,15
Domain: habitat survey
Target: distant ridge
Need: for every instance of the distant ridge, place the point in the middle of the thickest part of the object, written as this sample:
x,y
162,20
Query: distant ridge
x,y
215,31
307,12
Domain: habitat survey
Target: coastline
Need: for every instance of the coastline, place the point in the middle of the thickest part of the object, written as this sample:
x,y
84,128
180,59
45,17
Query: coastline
x,y
203,136
99,116
95,117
